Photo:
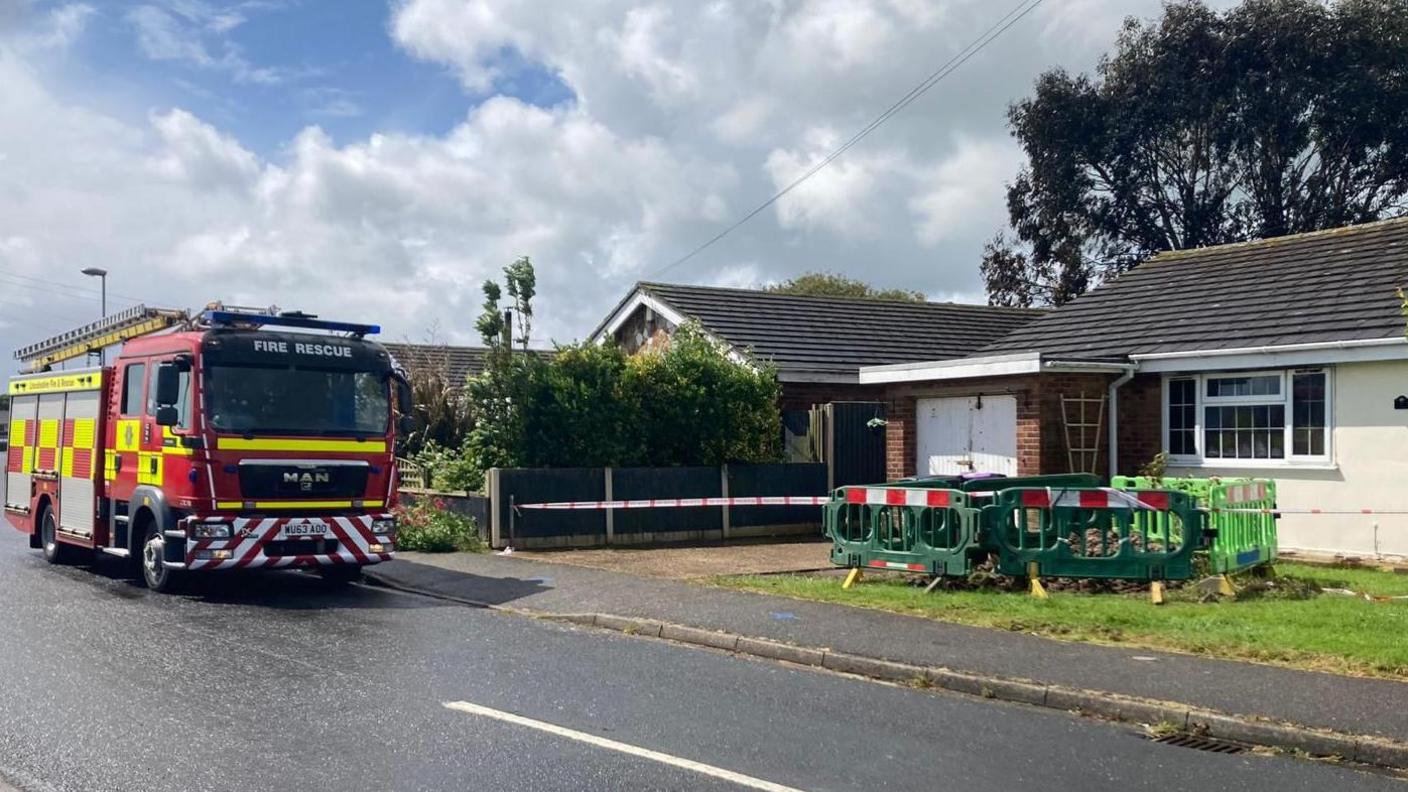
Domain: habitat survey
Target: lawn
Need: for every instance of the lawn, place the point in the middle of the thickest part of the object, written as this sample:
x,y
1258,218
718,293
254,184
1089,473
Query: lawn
x,y
1326,632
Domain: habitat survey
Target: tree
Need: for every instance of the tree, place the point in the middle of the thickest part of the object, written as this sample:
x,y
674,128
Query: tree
x,y
490,323
695,405
830,284
522,287
1271,118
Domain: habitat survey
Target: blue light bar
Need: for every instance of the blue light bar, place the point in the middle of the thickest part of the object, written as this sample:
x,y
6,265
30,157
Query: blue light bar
x,y
236,318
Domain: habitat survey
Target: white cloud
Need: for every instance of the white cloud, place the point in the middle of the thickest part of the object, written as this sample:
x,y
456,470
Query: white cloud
x,y
195,33
966,191
55,31
686,114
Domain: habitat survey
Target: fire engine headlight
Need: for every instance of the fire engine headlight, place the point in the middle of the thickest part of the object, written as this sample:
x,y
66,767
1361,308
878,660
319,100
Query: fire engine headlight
x,y
210,531
384,525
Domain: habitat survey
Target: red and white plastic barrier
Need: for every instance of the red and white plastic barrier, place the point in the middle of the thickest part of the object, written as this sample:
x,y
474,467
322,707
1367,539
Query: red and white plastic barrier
x,y
681,503
898,496
1102,498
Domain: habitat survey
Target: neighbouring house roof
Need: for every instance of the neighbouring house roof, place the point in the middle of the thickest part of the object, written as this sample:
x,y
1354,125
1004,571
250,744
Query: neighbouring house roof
x,y
1322,287
824,339
458,362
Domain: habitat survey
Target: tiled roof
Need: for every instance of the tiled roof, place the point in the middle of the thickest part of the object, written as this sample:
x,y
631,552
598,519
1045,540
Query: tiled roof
x,y
458,362
833,336
1323,286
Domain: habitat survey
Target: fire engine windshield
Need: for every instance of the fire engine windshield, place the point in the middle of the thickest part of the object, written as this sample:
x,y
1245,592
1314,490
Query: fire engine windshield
x,y
244,399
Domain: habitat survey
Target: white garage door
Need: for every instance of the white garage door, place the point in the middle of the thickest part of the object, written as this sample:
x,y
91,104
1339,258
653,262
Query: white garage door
x,y
967,434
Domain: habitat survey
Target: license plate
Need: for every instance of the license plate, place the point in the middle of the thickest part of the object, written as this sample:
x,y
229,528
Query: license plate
x,y
305,528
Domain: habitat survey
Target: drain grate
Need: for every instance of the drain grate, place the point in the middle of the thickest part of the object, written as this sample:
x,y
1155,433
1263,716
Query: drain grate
x,y
1208,744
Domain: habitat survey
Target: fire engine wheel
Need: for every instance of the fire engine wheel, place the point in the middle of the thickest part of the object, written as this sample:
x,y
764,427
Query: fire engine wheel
x,y
55,552
154,572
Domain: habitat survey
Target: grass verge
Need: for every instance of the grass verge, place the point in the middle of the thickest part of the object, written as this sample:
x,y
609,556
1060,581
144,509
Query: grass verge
x,y
1287,624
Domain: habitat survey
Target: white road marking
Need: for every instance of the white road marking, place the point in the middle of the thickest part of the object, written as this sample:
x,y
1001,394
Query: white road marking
x,y
611,745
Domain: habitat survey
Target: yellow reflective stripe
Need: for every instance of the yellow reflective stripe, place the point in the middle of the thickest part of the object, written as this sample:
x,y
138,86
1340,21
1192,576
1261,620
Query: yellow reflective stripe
x,y
348,446
347,504
149,466
109,464
56,383
49,433
27,460
17,432
83,433
171,443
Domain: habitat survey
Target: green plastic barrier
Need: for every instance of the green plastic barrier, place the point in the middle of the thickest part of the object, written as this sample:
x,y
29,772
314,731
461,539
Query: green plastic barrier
x,y
1240,540
1141,535
910,529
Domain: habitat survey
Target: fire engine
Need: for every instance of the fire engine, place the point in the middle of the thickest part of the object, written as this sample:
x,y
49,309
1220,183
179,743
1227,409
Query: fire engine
x,y
226,439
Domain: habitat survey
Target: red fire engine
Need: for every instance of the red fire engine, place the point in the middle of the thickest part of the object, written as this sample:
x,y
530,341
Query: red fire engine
x,y
229,439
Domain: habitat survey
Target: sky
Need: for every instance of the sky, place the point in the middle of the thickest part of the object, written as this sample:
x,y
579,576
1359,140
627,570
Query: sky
x,y
376,162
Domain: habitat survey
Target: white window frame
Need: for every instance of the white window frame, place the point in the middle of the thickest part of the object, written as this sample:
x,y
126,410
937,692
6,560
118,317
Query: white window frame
x,y
1202,400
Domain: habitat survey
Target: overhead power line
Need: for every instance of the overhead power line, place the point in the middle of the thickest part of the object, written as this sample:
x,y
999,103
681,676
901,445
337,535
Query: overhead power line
x,y
58,287
998,28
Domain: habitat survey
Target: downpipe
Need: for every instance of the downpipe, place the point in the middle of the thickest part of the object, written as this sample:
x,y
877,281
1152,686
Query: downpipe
x,y
1114,400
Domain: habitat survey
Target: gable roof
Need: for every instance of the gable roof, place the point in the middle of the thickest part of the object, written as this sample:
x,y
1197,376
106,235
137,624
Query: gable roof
x,y
1319,287
458,362
827,338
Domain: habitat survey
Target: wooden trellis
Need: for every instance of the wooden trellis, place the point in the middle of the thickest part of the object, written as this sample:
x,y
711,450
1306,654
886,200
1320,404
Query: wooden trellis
x,y
1083,435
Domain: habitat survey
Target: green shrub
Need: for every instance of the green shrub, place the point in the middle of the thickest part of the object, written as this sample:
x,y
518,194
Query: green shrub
x,y
426,526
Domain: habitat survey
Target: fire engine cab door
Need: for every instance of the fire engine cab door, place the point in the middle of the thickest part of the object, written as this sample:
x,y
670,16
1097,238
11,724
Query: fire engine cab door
x,y
124,457
77,448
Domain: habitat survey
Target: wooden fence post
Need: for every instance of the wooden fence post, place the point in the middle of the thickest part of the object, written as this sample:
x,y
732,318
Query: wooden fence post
x,y
723,490
495,506
610,513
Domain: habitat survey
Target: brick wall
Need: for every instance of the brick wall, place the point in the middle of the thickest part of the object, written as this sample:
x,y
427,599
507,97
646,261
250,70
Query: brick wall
x,y
1141,422
1058,437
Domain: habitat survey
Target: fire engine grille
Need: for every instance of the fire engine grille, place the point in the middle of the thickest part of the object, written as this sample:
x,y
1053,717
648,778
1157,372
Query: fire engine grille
x,y
279,479
296,547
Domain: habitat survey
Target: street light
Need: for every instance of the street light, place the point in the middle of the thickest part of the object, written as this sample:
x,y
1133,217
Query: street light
x,y
102,276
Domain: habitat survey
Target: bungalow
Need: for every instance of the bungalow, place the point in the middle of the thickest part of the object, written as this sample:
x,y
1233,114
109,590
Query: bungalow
x,y
1282,358
818,344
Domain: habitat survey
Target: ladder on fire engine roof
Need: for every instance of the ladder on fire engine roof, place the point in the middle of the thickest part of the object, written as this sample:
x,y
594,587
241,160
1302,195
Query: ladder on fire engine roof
x,y
139,320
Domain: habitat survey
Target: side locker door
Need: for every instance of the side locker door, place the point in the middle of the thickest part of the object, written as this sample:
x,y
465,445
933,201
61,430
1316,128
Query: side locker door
x,y
19,467
76,464
125,430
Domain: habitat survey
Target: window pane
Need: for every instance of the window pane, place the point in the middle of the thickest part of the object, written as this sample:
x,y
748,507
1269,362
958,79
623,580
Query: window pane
x,y
1249,431
1259,385
1310,427
1182,416
132,389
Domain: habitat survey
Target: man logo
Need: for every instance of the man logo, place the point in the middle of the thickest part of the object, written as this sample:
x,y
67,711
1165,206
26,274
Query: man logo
x,y
307,478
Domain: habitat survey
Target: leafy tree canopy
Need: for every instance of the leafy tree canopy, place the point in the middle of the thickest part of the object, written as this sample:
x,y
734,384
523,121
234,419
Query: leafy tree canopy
x,y
1202,128
830,284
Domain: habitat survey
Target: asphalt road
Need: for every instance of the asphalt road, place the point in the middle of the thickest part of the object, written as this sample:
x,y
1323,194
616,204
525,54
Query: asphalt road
x,y
274,683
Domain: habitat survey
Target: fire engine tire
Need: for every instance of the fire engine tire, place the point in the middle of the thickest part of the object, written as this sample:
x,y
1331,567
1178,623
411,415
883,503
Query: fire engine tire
x,y
154,572
340,575
55,552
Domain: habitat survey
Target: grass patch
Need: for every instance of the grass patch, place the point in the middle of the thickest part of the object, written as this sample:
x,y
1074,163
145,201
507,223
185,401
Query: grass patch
x,y
1286,623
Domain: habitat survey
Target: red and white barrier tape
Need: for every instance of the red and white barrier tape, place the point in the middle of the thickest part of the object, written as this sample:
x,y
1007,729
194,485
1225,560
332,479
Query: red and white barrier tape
x,y
1308,511
681,503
